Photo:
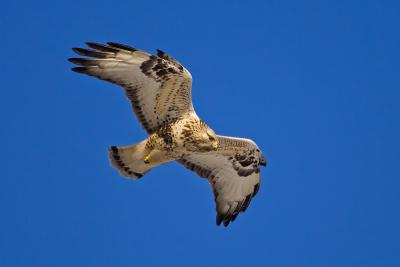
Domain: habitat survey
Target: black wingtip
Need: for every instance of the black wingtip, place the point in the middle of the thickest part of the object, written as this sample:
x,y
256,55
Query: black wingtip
x,y
225,219
122,46
92,53
79,51
219,220
93,44
81,61
79,69
75,49
226,223
101,47
234,217
75,60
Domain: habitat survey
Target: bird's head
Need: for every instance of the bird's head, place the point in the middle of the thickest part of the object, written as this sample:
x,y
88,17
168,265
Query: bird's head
x,y
207,139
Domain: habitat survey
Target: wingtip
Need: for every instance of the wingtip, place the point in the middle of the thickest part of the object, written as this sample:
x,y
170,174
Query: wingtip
x,y
92,43
218,220
72,60
79,61
122,46
80,51
225,220
76,50
234,217
101,47
79,70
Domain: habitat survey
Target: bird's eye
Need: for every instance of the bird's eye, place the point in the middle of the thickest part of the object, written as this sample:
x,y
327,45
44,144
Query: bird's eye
x,y
211,138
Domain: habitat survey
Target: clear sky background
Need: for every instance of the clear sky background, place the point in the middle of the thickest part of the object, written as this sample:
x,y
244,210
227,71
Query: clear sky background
x,y
314,83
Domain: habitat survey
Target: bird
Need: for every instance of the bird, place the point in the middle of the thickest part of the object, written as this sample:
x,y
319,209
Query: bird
x,y
160,91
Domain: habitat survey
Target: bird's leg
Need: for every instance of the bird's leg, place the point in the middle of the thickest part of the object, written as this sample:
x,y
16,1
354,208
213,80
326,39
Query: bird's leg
x,y
147,159
155,157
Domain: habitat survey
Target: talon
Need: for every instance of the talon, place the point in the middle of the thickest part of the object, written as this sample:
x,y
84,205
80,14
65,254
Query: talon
x,y
147,159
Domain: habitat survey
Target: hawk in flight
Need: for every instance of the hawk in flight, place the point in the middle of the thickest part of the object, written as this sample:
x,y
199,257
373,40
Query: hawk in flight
x,y
159,89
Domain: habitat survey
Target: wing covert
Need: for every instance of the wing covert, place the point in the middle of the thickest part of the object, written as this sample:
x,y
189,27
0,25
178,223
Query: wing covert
x,y
159,87
233,172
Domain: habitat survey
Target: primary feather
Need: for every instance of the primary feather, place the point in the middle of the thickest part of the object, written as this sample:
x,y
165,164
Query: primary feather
x,y
159,89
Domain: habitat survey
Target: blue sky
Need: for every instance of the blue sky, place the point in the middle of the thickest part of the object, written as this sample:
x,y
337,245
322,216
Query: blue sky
x,y
314,83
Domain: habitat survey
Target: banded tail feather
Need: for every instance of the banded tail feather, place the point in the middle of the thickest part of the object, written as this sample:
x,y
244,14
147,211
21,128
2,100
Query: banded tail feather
x,y
128,160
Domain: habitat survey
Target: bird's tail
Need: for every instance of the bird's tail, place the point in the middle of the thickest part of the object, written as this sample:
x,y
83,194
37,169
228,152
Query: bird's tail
x,y
129,160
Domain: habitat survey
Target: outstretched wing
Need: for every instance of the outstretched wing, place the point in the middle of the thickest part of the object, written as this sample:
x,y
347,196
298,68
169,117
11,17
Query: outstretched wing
x,y
233,172
159,87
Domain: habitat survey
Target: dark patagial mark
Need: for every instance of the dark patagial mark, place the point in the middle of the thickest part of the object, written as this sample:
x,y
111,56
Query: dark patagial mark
x,y
244,164
240,157
170,59
158,68
245,172
172,70
148,65
162,72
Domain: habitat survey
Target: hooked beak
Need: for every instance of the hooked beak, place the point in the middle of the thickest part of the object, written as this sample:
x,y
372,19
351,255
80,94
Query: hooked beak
x,y
215,145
